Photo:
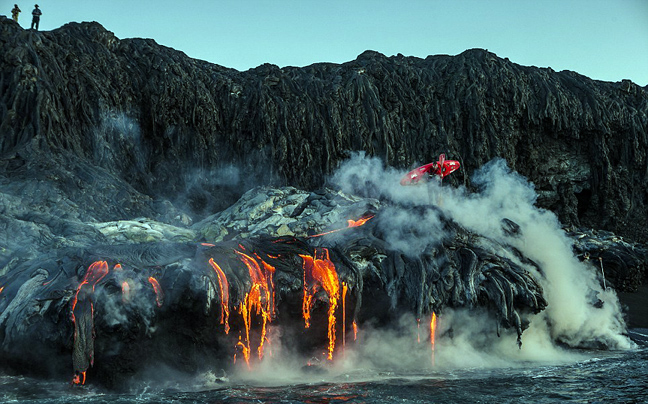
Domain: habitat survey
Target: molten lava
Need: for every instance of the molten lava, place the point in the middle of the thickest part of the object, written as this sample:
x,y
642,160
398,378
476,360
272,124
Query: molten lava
x,y
259,299
351,223
344,293
96,272
224,294
159,293
125,288
359,222
320,273
82,313
433,323
79,378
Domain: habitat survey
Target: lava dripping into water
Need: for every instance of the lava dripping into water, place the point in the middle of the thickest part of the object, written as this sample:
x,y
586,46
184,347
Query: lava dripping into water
x,y
319,272
224,294
258,303
159,293
344,293
433,325
259,299
79,378
83,355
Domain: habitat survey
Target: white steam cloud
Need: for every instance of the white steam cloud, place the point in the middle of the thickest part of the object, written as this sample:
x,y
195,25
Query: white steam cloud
x,y
136,298
571,287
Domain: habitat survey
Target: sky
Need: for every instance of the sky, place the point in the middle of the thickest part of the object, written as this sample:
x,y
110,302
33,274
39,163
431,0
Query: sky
x,y
602,39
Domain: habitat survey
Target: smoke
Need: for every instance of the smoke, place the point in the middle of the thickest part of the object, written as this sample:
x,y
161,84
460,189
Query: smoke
x,y
401,351
579,310
210,190
135,302
117,145
580,313
465,339
120,147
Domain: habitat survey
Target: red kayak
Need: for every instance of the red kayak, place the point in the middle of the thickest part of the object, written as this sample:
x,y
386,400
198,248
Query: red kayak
x,y
439,168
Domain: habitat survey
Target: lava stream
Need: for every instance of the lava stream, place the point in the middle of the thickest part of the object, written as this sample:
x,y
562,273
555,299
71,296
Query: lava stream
x,y
433,324
82,315
126,295
224,294
319,272
351,223
259,299
344,293
159,293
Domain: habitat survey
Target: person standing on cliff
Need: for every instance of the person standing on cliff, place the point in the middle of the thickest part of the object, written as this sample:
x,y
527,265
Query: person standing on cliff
x,y
36,16
14,12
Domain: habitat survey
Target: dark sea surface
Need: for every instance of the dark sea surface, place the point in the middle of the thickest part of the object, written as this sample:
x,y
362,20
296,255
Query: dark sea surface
x,y
599,377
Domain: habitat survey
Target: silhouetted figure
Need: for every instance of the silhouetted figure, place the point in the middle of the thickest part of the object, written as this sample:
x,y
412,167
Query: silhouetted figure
x,y
36,16
14,12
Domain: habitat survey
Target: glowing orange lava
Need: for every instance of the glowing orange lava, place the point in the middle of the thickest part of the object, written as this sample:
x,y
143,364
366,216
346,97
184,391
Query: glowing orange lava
x,y
433,324
359,222
351,223
1,289
319,272
259,299
224,294
79,378
355,330
344,293
96,272
125,287
159,293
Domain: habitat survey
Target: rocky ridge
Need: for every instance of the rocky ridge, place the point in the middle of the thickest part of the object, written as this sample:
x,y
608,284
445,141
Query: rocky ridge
x,y
129,115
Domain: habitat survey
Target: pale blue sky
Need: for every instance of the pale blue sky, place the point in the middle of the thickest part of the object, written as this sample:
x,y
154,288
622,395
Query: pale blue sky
x,y
602,39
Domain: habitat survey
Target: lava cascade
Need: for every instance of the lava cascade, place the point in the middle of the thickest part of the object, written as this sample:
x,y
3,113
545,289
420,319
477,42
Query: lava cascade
x,y
82,313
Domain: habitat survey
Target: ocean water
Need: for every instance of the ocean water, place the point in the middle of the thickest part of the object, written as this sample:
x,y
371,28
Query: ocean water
x,y
597,377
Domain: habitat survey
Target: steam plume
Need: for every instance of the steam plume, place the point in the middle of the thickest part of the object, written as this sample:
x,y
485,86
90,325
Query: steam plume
x,y
579,313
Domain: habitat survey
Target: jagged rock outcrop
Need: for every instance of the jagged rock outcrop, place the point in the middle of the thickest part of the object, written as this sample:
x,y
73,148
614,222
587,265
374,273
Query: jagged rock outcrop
x,y
623,264
150,123
121,308
107,304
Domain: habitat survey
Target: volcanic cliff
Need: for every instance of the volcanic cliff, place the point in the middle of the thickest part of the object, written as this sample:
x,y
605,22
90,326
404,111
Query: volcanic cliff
x,y
146,121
